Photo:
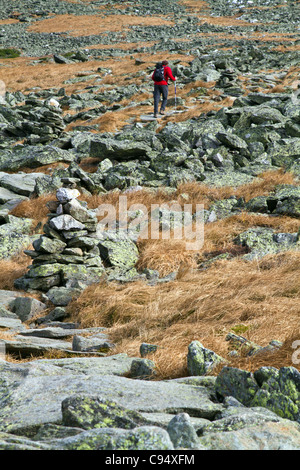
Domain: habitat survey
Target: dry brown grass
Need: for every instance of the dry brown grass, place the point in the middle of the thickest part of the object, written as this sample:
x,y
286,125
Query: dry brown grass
x,y
195,5
204,306
11,269
9,21
76,26
199,193
34,209
167,256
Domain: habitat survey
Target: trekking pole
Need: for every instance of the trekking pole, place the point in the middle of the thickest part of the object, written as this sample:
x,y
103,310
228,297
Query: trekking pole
x,y
175,95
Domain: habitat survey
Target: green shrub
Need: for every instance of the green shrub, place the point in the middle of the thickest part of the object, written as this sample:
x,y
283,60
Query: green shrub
x,y
239,329
9,53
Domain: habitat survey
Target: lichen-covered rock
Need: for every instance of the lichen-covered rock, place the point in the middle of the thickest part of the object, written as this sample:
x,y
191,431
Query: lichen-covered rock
x,y
118,149
281,404
142,369
14,236
118,251
284,153
262,241
140,438
78,211
182,432
93,412
284,435
257,204
60,295
12,442
225,207
279,391
200,360
33,157
289,207
49,245
237,383
239,417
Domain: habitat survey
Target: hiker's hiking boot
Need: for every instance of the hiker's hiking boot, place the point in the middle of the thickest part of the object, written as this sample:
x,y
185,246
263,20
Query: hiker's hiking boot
x,y
162,112
155,115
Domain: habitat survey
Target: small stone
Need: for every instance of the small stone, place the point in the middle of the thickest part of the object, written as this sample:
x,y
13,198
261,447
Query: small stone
x,y
146,348
181,431
65,222
66,194
142,369
201,360
27,307
48,245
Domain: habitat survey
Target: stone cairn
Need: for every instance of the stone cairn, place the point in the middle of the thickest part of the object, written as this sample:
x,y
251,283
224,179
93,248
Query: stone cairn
x,y
39,121
66,258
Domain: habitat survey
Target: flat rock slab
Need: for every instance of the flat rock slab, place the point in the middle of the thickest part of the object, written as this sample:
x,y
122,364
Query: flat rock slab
x,y
59,333
19,183
7,298
35,398
147,117
25,346
6,195
12,323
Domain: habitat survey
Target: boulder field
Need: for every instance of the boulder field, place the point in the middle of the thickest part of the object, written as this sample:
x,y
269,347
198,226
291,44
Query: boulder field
x,y
236,116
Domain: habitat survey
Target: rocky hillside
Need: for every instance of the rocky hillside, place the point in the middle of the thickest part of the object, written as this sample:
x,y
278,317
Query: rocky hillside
x,y
192,348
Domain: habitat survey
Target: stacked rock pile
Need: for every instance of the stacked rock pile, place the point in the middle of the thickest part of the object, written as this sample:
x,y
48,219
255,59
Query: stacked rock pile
x,y
37,121
66,258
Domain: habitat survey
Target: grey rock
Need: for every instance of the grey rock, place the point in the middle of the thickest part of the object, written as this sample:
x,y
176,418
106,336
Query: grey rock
x,y
33,157
27,307
7,196
146,349
14,236
141,438
90,412
25,347
62,296
64,195
142,369
36,398
236,383
10,323
20,183
182,432
266,436
65,222
200,360
49,245
99,343
8,298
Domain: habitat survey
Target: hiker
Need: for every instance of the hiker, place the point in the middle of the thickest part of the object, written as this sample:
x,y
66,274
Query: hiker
x,y
160,76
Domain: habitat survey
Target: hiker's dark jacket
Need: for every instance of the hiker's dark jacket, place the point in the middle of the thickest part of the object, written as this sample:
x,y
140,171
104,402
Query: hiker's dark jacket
x,y
168,74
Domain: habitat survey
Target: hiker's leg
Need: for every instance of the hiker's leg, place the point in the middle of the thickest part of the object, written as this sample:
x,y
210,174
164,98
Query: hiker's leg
x,y
156,97
165,90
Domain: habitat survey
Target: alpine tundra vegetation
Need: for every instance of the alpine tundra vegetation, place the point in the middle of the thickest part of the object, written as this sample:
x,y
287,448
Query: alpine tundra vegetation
x,y
117,333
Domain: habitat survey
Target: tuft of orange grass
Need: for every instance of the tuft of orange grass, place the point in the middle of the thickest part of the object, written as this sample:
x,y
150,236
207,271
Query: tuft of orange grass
x,y
35,209
266,182
76,26
12,269
204,306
